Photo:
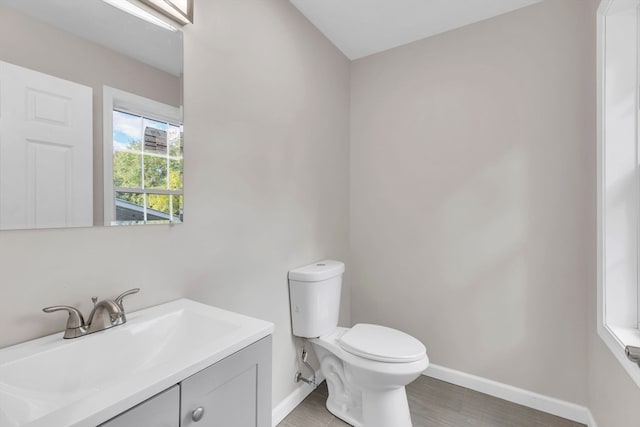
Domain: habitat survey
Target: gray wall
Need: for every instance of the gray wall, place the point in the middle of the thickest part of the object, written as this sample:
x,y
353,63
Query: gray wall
x,y
266,102
472,155
266,184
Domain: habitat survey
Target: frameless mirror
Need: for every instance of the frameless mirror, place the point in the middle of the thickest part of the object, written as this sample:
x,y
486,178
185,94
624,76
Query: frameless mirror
x,y
91,130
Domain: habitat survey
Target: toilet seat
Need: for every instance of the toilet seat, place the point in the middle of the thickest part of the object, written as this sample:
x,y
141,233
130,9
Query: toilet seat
x,y
381,344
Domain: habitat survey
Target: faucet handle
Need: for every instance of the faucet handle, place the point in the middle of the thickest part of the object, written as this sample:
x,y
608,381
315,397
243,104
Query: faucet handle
x,y
75,319
119,298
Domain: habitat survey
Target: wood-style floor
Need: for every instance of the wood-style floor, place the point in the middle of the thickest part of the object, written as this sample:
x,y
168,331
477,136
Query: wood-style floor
x,y
435,403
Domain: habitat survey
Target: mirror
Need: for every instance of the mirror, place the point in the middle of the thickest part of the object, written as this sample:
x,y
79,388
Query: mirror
x,y
75,73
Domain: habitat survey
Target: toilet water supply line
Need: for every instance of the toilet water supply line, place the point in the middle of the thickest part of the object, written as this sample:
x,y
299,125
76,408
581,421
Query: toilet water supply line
x,y
311,381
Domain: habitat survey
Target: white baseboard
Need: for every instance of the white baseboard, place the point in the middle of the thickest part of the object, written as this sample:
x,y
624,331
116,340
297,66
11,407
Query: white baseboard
x,y
550,405
592,421
289,403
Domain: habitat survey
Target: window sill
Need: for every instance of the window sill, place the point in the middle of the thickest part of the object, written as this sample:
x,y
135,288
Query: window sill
x,y
617,338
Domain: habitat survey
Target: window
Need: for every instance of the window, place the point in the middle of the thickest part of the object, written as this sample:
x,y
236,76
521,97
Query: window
x,y
618,179
143,160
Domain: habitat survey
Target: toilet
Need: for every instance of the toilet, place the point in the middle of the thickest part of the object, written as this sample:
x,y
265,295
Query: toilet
x,y
367,366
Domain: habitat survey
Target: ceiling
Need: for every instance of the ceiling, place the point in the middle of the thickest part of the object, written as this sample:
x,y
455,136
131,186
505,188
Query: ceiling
x,y
101,23
364,27
357,27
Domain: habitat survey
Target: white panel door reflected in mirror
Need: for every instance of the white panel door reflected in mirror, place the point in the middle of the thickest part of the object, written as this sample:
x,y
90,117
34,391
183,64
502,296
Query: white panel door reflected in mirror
x,y
46,151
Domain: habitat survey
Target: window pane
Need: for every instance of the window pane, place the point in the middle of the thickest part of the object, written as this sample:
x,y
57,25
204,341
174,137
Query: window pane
x,y
127,131
158,207
177,208
175,174
155,136
175,141
127,169
155,172
129,207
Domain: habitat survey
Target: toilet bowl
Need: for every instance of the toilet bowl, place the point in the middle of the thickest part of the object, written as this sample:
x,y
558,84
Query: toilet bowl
x,y
367,366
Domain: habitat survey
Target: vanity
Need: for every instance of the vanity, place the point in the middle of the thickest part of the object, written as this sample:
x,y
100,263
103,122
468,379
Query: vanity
x,y
182,363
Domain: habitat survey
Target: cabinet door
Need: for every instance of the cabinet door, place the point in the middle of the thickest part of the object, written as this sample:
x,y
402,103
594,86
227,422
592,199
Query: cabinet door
x,y
162,410
235,392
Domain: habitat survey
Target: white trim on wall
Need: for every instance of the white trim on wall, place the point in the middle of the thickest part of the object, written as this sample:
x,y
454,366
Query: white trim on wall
x,y
550,405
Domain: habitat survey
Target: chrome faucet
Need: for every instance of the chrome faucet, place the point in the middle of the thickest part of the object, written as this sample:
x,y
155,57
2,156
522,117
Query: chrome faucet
x,y
105,314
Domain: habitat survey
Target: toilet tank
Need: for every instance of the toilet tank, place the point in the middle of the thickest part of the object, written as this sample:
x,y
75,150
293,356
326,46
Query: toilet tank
x,y
314,293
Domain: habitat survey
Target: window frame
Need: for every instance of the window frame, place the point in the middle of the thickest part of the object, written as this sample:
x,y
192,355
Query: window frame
x,y
615,337
115,99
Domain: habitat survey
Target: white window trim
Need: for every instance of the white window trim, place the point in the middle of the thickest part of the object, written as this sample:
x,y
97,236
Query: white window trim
x,y
125,101
615,338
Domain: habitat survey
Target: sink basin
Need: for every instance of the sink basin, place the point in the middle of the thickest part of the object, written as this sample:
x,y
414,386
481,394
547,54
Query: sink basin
x,y
86,381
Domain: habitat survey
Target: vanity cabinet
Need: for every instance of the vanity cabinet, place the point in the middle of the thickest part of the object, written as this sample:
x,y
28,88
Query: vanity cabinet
x,y
234,392
159,411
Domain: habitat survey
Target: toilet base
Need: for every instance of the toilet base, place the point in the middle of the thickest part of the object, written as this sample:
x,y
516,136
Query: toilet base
x,y
379,409
363,407
384,408
342,414
344,401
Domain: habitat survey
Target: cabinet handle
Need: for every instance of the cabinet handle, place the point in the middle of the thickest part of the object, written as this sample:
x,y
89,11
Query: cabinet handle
x,y
197,414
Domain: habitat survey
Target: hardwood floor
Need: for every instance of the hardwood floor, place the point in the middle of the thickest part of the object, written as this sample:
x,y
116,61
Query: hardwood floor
x,y
435,403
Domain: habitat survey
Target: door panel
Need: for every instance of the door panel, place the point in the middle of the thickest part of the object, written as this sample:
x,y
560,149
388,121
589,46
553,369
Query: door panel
x,y
46,151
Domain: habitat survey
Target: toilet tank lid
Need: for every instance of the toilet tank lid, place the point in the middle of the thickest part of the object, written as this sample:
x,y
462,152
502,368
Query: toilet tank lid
x,y
321,270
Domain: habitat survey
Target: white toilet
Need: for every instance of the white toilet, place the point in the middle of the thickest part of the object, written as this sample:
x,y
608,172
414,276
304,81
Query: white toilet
x,y
367,366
